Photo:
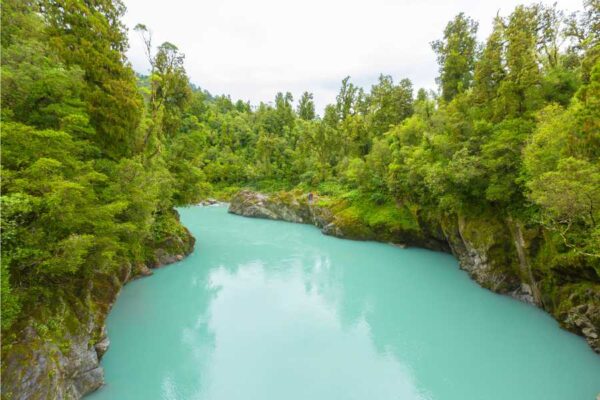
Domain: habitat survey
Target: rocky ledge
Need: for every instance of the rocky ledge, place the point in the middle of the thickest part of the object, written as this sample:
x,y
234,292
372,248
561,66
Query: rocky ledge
x,y
496,253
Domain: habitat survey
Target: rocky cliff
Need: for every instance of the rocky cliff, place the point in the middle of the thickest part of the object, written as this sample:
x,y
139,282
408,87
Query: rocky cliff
x,y
63,361
501,254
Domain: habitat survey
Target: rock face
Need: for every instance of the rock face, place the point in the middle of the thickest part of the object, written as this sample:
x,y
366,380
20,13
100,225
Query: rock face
x,y
258,205
67,365
46,372
496,253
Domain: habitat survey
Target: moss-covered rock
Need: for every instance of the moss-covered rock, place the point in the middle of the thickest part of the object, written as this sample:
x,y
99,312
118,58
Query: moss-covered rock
x,y
280,206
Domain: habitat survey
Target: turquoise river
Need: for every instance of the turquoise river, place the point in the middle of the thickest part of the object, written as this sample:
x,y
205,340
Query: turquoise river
x,y
266,310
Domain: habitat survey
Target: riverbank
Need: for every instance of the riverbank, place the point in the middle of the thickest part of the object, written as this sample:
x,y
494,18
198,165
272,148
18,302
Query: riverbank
x,y
56,353
499,253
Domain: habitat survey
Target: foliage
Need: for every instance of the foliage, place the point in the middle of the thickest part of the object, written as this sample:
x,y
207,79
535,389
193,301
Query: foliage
x,y
456,56
80,196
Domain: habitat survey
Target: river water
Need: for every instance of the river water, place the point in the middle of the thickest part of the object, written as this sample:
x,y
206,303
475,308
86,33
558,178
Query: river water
x,y
266,310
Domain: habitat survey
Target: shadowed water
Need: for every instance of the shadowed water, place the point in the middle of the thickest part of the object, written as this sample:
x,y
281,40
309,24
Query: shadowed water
x,y
267,310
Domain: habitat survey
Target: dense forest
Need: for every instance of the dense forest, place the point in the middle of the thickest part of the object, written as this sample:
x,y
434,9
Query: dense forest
x,y
86,184
95,157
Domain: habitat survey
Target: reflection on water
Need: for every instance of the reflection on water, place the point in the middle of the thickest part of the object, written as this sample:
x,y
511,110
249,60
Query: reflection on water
x,y
277,336
270,310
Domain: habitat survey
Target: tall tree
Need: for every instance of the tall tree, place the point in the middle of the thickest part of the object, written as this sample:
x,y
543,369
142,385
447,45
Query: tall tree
x,y
489,70
172,86
456,56
521,90
389,103
306,107
284,111
170,90
346,99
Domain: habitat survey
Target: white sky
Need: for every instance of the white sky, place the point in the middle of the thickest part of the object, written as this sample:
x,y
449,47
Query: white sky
x,y
253,49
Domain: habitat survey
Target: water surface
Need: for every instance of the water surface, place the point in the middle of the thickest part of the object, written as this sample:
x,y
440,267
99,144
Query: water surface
x,y
267,310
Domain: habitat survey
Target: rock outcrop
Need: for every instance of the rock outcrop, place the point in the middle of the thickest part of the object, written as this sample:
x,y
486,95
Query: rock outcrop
x,y
496,253
283,207
65,364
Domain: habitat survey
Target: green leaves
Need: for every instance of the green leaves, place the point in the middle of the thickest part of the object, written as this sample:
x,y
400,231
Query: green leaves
x,y
306,107
569,193
70,255
389,104
501,158
456,56
93,39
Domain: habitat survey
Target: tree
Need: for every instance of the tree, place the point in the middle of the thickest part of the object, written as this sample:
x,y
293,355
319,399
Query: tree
x,y
456,56
376,168
38,88
170,91
389,104
92,37
501,161
587,113
569,195
306,107
489,69
284,111
172,87
520,92
346,99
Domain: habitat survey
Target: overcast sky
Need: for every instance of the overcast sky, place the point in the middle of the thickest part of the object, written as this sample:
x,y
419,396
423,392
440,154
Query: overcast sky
x,y
253,49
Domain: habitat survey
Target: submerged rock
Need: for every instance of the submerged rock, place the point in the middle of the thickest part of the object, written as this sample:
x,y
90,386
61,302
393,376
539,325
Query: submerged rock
x,y
208,202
